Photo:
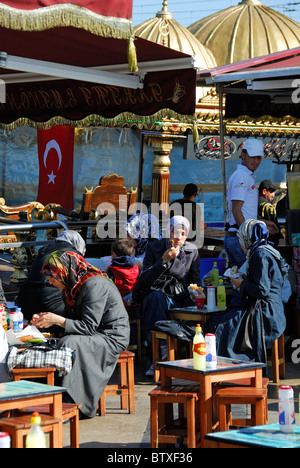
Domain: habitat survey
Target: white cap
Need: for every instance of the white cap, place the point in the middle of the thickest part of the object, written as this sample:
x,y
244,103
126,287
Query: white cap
x,y
254,147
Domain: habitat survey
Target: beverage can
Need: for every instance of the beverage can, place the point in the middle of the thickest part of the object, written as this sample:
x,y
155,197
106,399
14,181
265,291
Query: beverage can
x,y
211,298
210,351
4,440
286,408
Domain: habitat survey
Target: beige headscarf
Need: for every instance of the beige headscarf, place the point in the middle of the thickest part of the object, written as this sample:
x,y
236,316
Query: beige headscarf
x,y
244,233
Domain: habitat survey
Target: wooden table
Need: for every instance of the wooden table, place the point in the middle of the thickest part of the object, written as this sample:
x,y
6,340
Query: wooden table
x,y
19,395
267,436
227,369
192,313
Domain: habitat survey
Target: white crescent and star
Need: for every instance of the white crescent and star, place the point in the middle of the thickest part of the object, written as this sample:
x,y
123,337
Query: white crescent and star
x,y
52,144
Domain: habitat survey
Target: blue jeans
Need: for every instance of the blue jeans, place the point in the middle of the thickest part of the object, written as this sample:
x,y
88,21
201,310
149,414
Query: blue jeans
x,y
235,254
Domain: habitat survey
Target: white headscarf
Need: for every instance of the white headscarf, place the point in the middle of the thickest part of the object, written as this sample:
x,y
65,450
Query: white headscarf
x,y
74,238
178,221
245,231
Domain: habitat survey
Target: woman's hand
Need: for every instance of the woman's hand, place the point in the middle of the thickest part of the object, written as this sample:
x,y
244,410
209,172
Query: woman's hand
x,y
171,253
236,282
47,320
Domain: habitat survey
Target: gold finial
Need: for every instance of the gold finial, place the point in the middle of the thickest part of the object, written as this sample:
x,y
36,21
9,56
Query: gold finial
x,y
164,13
250,2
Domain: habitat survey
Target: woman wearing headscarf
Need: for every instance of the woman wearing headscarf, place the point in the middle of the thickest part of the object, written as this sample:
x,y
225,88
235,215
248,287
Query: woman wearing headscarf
x,y
36,294
97,327
172,255
142,228
246,331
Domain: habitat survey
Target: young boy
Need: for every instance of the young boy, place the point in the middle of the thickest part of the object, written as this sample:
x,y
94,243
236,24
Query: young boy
x,y
123,269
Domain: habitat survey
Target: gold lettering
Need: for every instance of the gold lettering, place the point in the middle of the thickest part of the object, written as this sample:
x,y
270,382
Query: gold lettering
x,y
72,99
102,93
116,95
87,95
11,102
46,98
156,91
35,99
58,99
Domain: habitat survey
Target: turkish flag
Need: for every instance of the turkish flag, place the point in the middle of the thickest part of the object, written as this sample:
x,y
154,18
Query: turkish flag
x,y
56,151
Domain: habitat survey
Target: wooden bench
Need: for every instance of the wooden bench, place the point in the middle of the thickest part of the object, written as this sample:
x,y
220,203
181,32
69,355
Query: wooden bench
x,y
125,389
165,429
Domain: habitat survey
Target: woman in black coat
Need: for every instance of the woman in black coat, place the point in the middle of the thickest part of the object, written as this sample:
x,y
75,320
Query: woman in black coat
x,y
172,256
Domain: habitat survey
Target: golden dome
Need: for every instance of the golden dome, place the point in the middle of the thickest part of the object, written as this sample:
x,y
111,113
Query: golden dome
x,y
164,30
245,31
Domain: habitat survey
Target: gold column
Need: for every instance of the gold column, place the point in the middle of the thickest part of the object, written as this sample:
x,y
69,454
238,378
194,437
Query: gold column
x,y
162,146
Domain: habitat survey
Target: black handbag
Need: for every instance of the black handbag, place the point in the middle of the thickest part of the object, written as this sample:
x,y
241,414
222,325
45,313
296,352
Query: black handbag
x,y
171,286
168,284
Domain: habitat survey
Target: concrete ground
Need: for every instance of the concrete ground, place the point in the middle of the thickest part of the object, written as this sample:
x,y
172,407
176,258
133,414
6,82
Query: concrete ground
x,y
118,429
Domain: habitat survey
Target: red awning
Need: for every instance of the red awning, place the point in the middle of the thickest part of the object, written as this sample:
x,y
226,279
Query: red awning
x,y
263,86
67,100
113,8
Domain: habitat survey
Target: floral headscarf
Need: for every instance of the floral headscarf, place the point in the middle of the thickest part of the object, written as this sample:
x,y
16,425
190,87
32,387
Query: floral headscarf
x,y
71,270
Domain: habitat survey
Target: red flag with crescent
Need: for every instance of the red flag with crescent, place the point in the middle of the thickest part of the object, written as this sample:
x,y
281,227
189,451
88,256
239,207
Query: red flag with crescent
x,y
56,151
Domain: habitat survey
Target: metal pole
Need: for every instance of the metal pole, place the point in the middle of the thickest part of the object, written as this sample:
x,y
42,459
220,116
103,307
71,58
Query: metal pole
x,y
221,94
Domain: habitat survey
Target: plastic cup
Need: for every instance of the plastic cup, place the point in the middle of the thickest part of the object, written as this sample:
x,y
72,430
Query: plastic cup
x,y
200,302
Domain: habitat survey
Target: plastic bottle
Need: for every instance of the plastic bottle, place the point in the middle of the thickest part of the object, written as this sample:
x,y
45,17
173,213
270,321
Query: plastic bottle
x,y
36,437
221,295
4,440
286,409
199,349
211,299
11,319
18,320
215,275
4,321
210,351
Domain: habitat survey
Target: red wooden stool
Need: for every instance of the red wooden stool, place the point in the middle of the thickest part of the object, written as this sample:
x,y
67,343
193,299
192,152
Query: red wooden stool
x,y
125,389
164,428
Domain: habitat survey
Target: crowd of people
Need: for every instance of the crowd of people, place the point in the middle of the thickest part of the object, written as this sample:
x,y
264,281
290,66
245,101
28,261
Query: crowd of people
x,y
89,304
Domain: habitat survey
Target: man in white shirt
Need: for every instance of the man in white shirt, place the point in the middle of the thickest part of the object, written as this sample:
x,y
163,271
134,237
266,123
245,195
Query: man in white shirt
x,y
242,199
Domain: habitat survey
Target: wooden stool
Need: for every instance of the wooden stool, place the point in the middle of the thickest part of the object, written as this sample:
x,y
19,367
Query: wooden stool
x,y
278,359
256,397
19,426
172,348
247,383
164,429
70,411
136,321
126,387
35,373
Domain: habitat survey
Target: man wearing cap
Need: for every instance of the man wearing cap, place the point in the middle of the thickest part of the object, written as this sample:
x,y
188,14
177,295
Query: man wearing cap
x,y
242,199
267,209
